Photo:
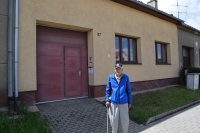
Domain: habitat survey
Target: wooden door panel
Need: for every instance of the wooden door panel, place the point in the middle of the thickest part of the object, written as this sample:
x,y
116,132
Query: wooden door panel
x,y
49,49
50,77
72,76
84,63
84,91
72,52
49,62
84,52
48,92
72,90
72,63
84,76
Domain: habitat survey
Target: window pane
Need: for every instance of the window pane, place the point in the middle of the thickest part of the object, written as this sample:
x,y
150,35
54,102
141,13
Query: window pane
x,y
164,50
185,52
117,55
159,56
124,49
133,50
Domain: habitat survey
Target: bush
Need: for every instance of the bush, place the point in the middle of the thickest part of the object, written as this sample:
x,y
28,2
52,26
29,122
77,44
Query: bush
x,y
182,76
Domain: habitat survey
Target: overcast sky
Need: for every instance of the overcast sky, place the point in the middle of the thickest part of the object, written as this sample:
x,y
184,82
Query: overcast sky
x,y
192,17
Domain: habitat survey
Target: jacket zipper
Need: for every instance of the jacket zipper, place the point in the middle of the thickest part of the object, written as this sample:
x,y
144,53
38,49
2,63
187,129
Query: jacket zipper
x,y
119,88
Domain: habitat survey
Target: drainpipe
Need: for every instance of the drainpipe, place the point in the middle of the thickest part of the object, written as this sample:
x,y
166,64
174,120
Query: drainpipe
x,y
10,54
16,51
196,51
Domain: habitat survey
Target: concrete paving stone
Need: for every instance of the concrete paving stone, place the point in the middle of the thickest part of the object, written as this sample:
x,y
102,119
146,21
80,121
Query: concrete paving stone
x,y
91,132
64,132
64,127
183,131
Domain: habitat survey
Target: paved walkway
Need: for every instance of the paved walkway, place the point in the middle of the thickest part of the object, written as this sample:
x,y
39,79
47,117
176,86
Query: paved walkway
x,y
79,116
88,116
185,121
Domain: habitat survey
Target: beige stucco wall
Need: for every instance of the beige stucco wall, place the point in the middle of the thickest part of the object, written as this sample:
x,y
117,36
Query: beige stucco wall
x,y
97,16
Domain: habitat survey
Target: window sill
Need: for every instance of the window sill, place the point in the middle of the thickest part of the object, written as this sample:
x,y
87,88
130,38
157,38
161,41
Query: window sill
x,y
163,64
131,63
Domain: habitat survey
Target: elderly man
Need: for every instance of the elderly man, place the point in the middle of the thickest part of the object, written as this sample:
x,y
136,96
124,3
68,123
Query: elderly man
x,y
118,98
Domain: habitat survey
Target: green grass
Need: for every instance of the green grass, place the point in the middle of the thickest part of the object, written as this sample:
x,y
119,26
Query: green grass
x,y
30,122
149,104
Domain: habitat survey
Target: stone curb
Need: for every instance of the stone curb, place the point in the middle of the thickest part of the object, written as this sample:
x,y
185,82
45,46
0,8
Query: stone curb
x,y
157,117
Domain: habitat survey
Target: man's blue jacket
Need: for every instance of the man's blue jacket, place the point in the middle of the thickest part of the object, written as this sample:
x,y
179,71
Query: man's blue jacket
x,y
118,93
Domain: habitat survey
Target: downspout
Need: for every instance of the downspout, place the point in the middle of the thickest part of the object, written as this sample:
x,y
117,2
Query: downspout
x,y
10,54
196,50
16,50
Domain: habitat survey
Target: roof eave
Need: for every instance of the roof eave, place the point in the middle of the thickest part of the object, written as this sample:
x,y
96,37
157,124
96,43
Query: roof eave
x,y
189,28
150,10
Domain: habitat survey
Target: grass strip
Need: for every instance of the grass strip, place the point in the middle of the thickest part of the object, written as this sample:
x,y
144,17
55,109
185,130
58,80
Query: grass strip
x,y
148,104
30,122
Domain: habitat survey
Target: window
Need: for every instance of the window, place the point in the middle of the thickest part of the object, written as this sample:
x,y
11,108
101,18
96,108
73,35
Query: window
x,y
161,53
199,57
125,49
186,56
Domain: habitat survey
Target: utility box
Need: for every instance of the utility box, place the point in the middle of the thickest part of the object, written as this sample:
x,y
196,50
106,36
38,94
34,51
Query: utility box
x,y
193,81
90,70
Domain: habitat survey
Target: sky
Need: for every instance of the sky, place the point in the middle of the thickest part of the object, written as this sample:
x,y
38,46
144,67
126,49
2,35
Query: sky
x,y
192,11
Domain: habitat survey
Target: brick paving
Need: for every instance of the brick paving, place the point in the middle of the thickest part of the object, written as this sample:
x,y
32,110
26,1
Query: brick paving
x,y
86,115
79,116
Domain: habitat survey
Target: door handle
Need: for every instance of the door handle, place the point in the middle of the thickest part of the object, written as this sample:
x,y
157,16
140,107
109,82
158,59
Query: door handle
x,y
79,73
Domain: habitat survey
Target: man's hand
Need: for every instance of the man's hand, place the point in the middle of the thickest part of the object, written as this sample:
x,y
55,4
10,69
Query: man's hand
x,y
107,104
129,105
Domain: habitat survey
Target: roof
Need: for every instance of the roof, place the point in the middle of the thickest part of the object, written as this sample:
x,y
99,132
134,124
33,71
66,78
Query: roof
x,y
190,28
138,5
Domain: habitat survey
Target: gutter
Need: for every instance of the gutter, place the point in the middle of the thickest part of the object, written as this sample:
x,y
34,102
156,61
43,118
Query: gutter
x,y
16,50
189,28
10,55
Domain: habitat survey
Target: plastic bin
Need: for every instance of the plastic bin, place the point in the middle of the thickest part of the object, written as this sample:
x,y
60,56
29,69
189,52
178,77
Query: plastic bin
x,y
193,81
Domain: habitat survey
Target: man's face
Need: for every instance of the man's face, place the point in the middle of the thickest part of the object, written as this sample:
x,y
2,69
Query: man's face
x,y
118,71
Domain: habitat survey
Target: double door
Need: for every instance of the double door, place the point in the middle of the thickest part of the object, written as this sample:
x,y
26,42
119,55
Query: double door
x,y
61,65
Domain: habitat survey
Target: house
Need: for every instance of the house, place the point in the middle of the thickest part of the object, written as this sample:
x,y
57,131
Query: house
x,y
189,49
3,51
68,48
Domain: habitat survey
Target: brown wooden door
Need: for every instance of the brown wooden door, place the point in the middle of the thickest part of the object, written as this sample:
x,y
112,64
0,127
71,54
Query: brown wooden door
x,y
186,56
61,64
72,72
50,77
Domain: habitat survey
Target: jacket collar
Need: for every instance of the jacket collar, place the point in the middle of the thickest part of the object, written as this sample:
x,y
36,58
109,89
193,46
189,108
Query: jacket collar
x,y
113,75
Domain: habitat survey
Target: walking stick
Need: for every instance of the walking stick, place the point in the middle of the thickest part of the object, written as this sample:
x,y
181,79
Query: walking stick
x,y
107,120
